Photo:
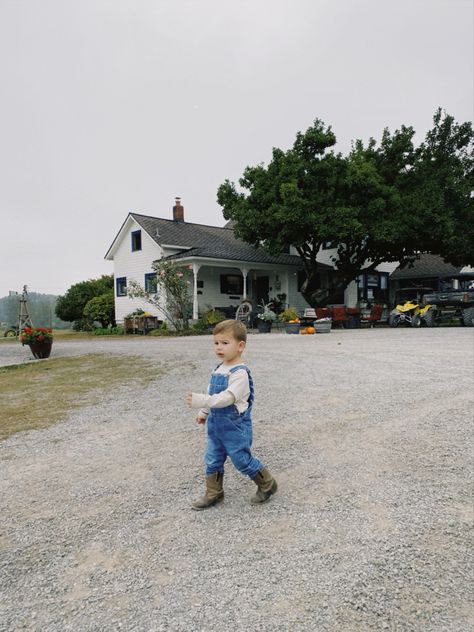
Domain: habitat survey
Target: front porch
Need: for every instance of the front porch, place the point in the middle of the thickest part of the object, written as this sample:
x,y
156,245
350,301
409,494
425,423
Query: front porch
x,y
225,284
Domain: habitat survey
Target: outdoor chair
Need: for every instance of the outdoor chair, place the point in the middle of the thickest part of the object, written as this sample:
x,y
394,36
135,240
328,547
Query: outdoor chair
x,y
373,317
244,313
323,312
339,316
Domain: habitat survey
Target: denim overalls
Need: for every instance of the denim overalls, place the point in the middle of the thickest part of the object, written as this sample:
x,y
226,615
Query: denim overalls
x,y
229,433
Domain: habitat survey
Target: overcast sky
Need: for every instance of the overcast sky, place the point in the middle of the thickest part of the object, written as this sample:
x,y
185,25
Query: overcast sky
x,y
111,106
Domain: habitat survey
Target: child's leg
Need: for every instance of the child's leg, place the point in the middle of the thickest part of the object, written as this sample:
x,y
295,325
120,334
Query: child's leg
x,y
215,459
237,439
216,453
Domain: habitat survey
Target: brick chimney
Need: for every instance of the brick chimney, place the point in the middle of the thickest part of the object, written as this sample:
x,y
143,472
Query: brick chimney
x,y
178,210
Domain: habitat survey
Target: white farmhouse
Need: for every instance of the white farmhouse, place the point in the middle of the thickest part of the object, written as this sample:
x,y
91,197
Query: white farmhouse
x,y
225,270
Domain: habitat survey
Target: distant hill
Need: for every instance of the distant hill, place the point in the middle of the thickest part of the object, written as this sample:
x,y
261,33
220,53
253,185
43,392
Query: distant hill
x,y
41,308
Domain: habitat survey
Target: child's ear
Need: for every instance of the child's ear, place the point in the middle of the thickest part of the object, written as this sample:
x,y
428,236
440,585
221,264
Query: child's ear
x,y
241,345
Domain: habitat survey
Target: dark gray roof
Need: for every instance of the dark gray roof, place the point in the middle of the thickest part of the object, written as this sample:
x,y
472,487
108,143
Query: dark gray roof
x,y
426,266
212,242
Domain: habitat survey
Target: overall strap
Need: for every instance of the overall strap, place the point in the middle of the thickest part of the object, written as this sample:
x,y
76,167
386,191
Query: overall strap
x,y
239,366
251,396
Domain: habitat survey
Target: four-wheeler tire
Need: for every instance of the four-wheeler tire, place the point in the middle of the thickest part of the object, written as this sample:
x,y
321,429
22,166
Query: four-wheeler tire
x,y
416,321
394,320
9,333
431,318
468,316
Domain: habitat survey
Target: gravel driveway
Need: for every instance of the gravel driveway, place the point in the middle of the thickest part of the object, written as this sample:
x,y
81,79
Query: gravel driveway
x,y
370,435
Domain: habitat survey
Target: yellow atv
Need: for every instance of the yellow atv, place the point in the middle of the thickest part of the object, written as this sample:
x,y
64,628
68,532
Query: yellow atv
x,y
409,307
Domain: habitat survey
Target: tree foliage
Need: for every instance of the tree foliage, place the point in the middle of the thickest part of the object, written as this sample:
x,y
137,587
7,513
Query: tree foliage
x,y
384,202
71,305
102,309
171,293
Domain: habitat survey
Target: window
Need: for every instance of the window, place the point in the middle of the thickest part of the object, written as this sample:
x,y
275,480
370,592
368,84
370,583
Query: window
x,y
232,284
121,286
136,240
373,287
150,282
327,245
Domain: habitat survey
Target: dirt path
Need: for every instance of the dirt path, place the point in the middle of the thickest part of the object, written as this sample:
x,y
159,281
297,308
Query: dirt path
x,y
370,434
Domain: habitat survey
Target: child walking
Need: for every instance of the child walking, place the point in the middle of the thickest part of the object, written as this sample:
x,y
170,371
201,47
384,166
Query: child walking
x,y
227,408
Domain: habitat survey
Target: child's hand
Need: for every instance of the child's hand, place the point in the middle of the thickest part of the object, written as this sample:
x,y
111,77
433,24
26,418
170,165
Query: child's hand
x,y
200,419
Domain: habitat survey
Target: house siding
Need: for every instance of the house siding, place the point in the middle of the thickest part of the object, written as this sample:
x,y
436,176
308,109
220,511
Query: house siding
x,y
134,265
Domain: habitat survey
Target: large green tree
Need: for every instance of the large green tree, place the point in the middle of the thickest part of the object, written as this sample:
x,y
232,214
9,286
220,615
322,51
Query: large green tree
x,y
71,305
376,204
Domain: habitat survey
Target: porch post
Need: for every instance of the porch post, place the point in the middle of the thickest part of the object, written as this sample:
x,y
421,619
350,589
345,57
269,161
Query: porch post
x,y
286,285
196,267
245,272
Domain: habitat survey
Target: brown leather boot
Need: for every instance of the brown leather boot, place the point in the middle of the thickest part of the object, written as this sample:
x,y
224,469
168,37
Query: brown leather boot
x,y
266,484
214,492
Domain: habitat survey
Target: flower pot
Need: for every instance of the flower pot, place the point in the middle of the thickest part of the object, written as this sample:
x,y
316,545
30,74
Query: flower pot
x,y
292,328
264,326
41,350
322,326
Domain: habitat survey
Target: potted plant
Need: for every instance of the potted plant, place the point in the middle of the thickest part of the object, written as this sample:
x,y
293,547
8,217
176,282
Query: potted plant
x,y
323,325
265,318
211,317
290,317
39,339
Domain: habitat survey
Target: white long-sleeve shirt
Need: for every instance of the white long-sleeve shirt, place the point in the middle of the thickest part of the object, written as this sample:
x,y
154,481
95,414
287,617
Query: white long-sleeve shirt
x,y
237,392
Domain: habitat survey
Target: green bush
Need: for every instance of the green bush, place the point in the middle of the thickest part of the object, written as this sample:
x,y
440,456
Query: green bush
x,y
212,317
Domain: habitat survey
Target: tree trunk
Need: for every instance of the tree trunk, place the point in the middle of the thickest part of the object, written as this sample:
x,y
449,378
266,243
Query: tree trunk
x,y
318,296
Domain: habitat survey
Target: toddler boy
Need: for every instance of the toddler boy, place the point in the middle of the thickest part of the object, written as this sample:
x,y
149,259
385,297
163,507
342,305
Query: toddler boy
x,y
227,408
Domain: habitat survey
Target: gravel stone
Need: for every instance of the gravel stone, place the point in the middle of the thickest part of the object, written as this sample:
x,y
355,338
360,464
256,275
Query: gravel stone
x,y
369,433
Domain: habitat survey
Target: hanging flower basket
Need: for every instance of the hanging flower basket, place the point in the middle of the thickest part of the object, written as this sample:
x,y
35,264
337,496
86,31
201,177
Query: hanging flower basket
x,y
41,350
39,340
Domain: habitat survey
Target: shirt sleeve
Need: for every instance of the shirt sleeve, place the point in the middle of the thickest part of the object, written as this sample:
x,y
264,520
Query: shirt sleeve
x,y
238,391
219,400
239,385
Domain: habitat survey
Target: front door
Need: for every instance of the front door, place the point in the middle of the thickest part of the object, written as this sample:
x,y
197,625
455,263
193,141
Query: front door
x,y
262,286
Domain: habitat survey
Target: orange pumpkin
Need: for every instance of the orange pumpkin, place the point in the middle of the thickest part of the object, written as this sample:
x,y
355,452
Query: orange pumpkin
x,y
310,330
303,330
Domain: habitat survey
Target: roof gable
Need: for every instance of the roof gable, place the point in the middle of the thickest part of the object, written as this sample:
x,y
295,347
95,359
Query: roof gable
x,y
200,240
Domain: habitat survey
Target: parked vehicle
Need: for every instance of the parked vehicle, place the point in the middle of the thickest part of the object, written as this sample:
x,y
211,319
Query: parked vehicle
x,y
410,307
10,332
454,298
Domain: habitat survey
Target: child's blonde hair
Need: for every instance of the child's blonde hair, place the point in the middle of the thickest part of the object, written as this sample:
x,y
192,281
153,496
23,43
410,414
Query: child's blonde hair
x,y
235,327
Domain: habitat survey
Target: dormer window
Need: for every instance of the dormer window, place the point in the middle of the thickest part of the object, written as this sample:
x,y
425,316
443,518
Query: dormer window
x,y
136,240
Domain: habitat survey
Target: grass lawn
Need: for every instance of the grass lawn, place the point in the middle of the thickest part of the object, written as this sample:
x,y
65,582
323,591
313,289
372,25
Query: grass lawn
x,y
38,395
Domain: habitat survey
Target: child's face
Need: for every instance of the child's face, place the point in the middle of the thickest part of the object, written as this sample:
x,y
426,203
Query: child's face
x,y
227,348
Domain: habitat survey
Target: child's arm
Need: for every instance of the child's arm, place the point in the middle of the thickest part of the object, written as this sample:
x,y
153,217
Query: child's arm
x,y
238,389
203,401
